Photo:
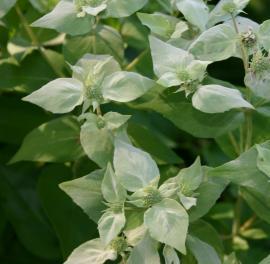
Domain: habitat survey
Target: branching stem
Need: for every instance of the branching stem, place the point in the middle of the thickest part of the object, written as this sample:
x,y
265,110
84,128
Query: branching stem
x,y
35,41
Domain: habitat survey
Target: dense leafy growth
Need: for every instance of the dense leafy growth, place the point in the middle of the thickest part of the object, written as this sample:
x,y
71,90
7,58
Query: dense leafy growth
x,y
146,151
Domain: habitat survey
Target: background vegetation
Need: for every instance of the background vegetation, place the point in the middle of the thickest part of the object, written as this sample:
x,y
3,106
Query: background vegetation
x,y
38,222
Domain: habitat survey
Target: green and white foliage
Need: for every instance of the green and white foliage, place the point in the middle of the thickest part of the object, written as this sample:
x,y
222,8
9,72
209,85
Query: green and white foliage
x,y
144,206
134,185
96,80
77,17
178,68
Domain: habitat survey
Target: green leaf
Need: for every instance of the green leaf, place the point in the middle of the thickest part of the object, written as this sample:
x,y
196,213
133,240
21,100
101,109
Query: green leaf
x,y
190,178
148,141
216,44
101,40
134,167
15,123
64,19
207,233
86,193
255,184
170,255
263,160
167,222
57,141
92,251
123,8
57,206
145,252
195,11
110,225
159,24
264,33
202,251
25,214
218,99
59,96
209,192
112,190
5,6
178,110
32,72
125,86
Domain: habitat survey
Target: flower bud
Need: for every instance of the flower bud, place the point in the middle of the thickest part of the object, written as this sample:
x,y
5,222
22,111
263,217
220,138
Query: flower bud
x,y
119,244
152,196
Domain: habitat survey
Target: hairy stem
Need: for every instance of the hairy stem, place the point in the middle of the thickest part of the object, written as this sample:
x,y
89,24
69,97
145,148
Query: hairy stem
x,y
244,145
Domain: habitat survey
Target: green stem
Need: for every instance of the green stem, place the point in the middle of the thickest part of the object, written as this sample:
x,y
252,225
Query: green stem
x,y
234,143
237,215
242,47
35,41
244,145
135,62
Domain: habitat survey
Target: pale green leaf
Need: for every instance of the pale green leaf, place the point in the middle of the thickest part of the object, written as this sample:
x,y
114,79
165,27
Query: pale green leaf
x,y
190,178
97,142
98,134
124,8
219,14
159,24
187,202
59,96
266,260
112,190
259,84
5,6
145,252
167,222
170,256
195,11
264,34
216,44
86,193
218,99
115,120
64,19
167,58
91,69
135,168
92,251
57,141
263,160
203,252
125,86
95,10
110,225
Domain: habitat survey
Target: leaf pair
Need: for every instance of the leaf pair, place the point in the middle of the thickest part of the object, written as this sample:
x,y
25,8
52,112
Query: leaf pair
x,y
77,17
96,80
177,67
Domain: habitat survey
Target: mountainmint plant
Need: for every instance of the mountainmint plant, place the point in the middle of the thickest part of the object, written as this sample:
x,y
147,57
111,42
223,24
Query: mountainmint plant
x,y
148,210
